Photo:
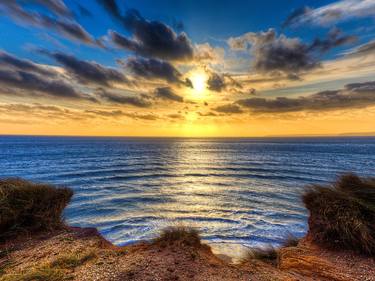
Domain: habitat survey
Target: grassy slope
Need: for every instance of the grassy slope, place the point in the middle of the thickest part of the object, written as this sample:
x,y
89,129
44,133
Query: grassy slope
x,y
342,214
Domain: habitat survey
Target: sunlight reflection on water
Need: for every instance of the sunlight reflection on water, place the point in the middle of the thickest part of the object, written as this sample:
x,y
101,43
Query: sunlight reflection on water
x,y
236,191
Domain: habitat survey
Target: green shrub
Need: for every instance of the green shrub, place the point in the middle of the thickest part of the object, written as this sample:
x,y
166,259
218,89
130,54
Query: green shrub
x,y
27,206
179,234
342,215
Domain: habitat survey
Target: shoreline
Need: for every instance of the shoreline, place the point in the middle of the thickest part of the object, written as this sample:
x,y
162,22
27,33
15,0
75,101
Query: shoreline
x,y
36,245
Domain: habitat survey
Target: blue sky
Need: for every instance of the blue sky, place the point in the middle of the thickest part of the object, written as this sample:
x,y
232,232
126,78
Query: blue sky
x,y
196,64
204,21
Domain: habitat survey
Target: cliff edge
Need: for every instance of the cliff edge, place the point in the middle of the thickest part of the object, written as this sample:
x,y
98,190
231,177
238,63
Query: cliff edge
x,y
36,245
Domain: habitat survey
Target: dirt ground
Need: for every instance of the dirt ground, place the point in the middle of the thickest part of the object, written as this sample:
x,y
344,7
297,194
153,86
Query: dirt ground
x,y
82,254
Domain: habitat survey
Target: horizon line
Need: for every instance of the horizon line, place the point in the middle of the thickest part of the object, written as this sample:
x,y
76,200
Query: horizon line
x,y
369,134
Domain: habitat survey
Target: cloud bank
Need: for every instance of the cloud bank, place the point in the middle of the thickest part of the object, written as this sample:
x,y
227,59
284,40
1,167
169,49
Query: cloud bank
x,y
152,39
356,95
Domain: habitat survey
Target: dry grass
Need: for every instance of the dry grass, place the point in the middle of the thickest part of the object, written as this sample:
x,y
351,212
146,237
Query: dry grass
x,y
342,215
73,260
179,235
57,270
27,206
290,241
44,273
268,254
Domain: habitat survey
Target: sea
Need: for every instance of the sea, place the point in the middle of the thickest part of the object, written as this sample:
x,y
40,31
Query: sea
x,y
236,191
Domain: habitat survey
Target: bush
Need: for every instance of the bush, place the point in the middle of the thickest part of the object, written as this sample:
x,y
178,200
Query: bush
x,y
267,254
27,206
179,235
342,215
290,241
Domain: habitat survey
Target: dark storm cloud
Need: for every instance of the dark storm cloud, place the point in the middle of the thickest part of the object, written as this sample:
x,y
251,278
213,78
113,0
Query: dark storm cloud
x,y
10,61
283,55
219,82
155,69
66,26
152,39
354,95
29,81
123,42
216,82
362,87
277,55
166,93
228,109
25,77
334,39
70,29
123,99
112,8
88,72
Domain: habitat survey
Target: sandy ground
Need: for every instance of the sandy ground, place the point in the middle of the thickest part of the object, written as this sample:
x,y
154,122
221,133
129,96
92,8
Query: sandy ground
x,y
87,256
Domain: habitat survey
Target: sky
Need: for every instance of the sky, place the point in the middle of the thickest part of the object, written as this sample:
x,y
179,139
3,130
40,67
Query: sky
x,y
187,68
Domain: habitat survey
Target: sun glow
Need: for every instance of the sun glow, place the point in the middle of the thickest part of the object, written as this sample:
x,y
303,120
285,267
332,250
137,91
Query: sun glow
x,y
199,80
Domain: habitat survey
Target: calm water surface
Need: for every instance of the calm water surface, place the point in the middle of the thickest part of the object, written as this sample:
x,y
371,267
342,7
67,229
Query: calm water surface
x,y
240,191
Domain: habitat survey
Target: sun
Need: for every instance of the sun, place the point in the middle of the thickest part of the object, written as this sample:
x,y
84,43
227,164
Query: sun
x,y
199,80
